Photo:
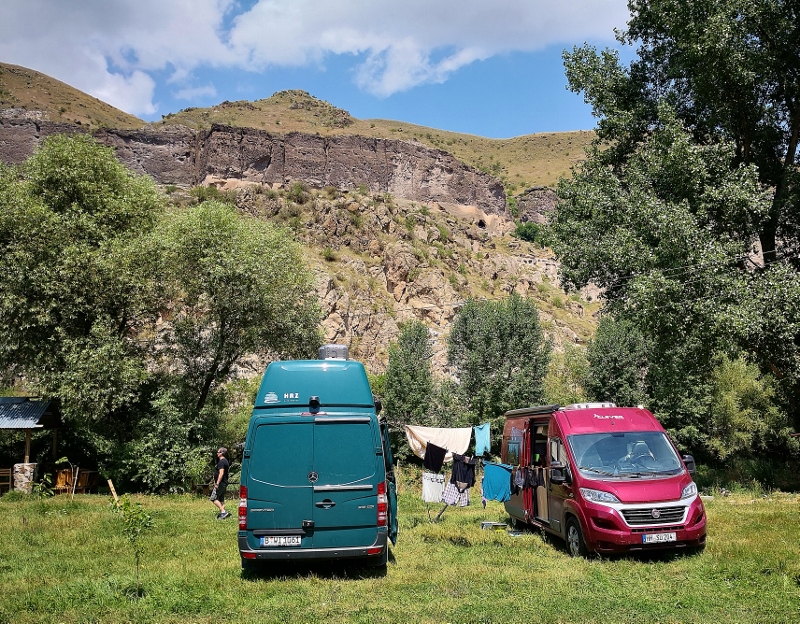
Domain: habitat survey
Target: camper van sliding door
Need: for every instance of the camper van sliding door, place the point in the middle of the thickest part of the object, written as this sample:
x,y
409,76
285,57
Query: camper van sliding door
x,y
538,494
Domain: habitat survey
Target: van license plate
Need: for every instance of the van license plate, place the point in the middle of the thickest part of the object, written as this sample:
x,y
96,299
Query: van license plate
x,y
280,540
657,538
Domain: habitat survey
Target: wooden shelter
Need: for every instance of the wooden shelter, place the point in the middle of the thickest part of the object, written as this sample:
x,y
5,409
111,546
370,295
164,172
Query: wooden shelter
x,y
29,413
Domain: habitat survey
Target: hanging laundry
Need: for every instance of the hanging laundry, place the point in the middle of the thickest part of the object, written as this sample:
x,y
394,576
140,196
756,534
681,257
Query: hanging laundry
x,y
454,440
434,457
482,438
454,496
432,487
535,477
519,476
497,481
463,471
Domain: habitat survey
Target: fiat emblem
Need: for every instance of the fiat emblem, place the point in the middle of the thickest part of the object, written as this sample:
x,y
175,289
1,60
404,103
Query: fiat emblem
x,y
313,476
656,513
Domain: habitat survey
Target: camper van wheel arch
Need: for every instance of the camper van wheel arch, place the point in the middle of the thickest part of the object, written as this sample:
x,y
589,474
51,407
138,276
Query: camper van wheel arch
x,y
574,538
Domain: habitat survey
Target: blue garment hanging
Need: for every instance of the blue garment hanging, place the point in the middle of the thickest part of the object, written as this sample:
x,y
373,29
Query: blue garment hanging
x,y
481,439
497,481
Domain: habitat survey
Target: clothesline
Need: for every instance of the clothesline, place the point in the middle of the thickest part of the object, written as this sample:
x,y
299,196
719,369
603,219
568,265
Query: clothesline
x,y
452,439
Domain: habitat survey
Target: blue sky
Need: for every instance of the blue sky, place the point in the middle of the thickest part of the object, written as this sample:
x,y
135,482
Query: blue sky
x,y
493,69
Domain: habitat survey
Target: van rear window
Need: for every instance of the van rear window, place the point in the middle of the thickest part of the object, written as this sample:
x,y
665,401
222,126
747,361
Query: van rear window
x,y
344,452
282,453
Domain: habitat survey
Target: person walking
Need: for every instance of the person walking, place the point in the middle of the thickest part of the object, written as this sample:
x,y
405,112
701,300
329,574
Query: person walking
x,y
221,483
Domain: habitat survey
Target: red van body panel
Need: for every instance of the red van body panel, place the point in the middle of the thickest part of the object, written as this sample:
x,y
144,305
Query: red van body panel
x,y
613,469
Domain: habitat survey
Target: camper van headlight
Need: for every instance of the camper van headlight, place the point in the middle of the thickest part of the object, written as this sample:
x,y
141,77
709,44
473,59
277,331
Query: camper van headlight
x,y
598,496
689,491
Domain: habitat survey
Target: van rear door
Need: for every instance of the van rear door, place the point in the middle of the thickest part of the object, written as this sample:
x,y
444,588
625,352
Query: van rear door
x,y
279,492
388,462
345,491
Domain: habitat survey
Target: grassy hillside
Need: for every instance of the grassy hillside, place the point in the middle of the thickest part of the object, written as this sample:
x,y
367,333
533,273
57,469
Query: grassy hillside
x,y
33,91
521,162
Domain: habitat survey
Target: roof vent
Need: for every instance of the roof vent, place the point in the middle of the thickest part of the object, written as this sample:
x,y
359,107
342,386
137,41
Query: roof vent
x,y
587,406
332,352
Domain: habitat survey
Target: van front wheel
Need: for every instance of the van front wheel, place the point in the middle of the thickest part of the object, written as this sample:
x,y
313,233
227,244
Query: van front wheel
x,y
575,543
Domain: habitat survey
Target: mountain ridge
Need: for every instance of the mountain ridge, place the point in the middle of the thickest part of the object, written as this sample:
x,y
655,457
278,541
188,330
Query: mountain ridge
x,y
396,227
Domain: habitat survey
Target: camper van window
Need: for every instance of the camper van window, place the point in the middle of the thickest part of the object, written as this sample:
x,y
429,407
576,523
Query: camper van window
x,y
556,453
624,455
513,453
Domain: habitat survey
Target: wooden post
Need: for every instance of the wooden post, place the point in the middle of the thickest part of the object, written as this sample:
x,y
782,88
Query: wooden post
x,y
113,491
27,446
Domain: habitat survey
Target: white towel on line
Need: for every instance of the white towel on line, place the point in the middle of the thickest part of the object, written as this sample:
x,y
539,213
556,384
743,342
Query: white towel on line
x,y
454,440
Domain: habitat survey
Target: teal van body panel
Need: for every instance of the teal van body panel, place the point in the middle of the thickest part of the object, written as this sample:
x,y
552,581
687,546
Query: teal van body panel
x,y
317,477
338,383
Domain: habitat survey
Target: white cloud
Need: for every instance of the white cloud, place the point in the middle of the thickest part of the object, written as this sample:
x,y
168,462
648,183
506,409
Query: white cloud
x,y
400,40
112,48
195,93
116,49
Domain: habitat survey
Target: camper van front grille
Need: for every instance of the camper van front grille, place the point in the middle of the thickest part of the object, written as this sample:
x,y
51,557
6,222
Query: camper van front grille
x,y
654,515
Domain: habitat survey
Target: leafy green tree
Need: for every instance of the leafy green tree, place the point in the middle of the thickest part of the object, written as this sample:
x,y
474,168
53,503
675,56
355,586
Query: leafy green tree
x,y
685,211
236,286
499,357
743,410
409,381
731,71
166,452
618,363
73,292
566,376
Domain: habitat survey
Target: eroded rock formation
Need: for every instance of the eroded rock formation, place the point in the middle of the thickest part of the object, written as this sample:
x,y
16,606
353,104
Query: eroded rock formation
x,y
182,156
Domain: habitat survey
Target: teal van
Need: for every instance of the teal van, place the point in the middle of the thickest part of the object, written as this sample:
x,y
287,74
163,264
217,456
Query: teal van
x,y
317,481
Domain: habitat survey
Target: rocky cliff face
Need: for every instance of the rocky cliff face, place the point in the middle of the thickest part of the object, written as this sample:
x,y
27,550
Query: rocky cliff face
x,y
381,261
394,230
182,156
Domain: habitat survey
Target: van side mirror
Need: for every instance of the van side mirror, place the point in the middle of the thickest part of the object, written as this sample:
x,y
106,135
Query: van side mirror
x,y
558,474
688,460
378,404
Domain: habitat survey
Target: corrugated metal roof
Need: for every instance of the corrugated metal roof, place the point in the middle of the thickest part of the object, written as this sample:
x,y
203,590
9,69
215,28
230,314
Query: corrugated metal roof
x,y
21,412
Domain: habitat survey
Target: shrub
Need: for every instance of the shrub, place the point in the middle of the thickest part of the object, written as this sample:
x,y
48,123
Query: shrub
x,y
533,233
298,193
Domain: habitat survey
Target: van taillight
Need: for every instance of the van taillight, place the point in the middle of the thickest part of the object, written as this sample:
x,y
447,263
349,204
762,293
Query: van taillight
x,y
383,505
242,507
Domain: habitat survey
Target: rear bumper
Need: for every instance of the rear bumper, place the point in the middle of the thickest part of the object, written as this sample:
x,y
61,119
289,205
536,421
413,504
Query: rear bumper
x,y
376,550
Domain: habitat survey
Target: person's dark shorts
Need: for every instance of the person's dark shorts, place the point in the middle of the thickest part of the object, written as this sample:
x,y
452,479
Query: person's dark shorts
x,y
221,489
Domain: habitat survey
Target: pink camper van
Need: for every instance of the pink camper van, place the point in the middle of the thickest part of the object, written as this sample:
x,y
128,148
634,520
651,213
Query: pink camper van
x,y
604,478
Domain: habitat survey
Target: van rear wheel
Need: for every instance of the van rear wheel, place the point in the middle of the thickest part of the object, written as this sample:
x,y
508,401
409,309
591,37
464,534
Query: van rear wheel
x,y
379,562
575,544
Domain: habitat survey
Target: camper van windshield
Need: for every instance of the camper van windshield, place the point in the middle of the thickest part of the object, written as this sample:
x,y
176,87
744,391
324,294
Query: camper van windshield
x,y
626,455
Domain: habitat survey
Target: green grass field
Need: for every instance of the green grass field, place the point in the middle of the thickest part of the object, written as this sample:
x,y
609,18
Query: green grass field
x,y
65,560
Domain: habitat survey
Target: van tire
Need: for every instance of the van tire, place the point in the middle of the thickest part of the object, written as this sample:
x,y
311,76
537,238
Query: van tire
x,y
574,539
249,566
379,562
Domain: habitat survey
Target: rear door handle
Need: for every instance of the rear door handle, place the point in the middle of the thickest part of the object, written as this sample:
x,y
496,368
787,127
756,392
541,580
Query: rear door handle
x,y
326,504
